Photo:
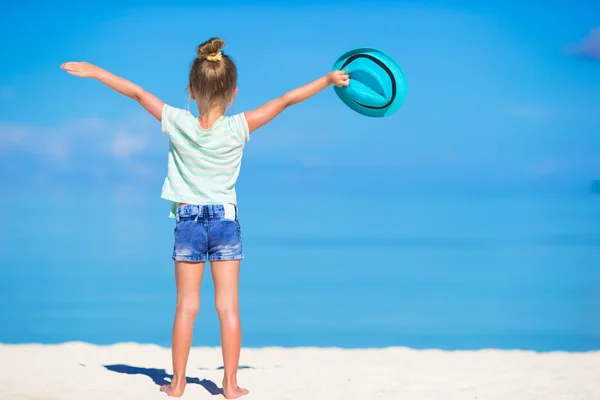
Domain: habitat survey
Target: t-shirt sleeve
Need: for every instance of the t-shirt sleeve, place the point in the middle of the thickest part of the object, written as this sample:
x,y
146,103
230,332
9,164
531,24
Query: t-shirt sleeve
x,y
240,125
173,120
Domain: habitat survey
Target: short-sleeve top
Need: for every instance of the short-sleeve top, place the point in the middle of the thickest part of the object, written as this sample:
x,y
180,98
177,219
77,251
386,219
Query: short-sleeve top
x,y
204,164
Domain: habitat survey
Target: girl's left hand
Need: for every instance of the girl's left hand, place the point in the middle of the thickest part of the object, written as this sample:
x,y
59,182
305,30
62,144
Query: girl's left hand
x,y
339,78
81,69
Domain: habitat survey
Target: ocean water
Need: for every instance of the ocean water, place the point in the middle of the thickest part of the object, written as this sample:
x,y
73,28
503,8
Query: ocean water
x,y
430,272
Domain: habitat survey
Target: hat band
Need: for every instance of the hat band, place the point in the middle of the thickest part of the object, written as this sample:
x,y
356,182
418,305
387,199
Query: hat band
x,y
385,68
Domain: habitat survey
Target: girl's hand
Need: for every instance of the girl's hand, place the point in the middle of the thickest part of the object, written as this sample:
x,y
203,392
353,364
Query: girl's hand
x,y
81,69
338,78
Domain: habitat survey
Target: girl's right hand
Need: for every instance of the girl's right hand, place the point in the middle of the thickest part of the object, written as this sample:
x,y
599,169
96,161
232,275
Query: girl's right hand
x,y
338,78
81,69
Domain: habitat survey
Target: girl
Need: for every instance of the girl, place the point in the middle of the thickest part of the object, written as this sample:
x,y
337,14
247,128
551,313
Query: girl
x,y
204,162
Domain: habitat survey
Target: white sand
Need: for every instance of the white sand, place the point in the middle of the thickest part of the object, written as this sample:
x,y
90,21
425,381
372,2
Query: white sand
x,y
76,371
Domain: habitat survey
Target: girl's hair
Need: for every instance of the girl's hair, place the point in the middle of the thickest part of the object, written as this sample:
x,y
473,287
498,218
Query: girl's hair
x,y
213,76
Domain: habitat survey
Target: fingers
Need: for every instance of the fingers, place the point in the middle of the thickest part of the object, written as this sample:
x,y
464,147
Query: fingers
x,y
342,78
72,68
345,77
69,65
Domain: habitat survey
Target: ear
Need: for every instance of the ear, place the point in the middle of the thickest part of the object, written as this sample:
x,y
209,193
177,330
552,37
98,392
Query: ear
x,y
191,92
234,94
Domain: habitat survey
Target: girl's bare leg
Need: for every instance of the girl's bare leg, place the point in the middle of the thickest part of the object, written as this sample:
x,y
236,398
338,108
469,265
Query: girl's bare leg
x,y
188,277
226,277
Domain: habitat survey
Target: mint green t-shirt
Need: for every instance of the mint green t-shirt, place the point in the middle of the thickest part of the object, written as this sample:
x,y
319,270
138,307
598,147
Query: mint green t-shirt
x,y
204,164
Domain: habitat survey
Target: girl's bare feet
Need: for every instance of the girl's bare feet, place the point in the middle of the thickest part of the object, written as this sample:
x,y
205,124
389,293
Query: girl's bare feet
x,y
233,391
173,389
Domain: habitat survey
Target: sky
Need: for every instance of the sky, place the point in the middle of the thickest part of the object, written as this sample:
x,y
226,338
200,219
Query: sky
x,y
502,96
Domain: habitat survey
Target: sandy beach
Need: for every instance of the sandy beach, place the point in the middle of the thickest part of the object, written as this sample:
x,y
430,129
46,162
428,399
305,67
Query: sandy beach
x,y
134,371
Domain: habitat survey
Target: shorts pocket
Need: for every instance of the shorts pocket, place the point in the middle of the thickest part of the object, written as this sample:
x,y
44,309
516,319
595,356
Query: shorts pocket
x,y
229,212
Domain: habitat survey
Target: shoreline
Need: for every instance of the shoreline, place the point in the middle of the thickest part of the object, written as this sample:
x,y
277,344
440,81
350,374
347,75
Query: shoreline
x,y
303,347
254,348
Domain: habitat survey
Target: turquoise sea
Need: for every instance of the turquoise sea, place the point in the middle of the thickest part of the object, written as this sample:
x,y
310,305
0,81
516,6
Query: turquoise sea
x,y
426,272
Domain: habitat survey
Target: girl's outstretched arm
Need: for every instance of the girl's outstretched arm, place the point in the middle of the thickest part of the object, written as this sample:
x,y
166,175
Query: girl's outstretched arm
x,y
267,112
86,70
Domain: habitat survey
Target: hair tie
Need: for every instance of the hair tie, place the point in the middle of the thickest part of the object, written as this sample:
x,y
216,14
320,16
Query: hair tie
x,y
214,56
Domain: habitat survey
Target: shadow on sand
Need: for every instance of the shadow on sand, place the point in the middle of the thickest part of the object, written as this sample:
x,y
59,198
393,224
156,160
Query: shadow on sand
x,y
159,377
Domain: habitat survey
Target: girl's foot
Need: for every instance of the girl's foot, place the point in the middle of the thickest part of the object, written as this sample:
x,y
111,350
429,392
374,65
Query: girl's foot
x,y
173,390
233,391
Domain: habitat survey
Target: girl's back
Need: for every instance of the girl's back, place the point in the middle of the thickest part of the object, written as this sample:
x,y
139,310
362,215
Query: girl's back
x,y
204,164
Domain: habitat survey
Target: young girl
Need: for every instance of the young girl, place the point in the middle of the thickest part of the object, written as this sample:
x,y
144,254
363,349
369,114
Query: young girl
x,y
205,155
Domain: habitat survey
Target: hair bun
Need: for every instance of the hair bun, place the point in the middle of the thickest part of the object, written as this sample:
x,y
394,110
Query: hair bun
x,y
211,46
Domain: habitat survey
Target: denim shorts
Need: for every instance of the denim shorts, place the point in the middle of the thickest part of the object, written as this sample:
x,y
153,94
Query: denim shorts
x,y
207,232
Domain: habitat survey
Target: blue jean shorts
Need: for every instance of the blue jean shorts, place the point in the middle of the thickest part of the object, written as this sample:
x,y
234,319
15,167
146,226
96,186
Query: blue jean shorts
x,y
207,232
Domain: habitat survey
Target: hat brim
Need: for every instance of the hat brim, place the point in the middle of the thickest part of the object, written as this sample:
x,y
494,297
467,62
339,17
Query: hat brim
x,y
385,75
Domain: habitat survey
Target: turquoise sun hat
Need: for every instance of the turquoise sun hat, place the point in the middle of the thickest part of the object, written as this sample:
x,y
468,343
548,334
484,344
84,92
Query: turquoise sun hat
x,y
377,83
